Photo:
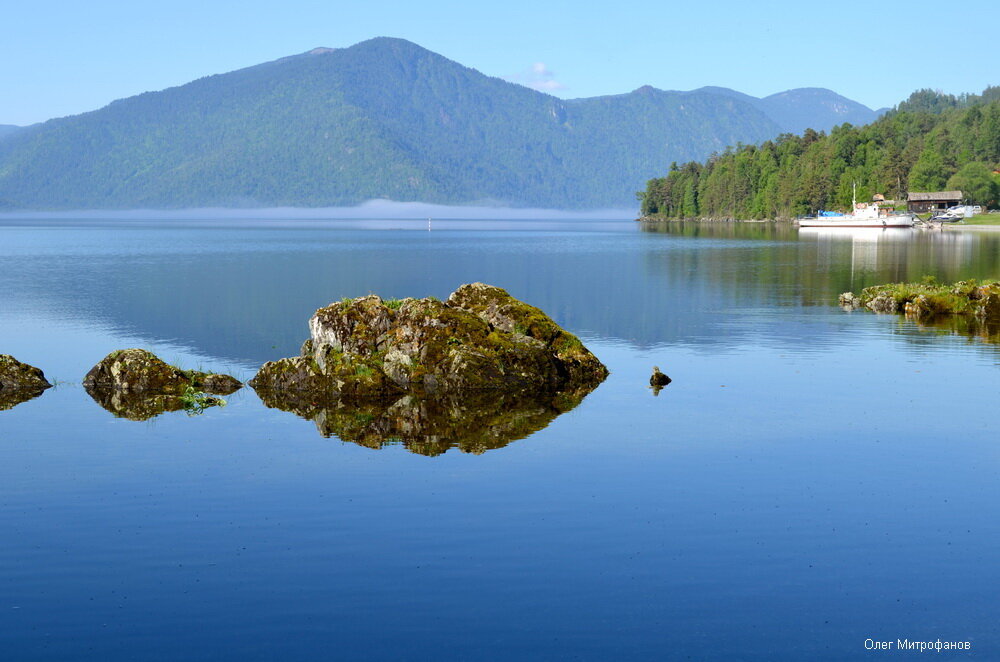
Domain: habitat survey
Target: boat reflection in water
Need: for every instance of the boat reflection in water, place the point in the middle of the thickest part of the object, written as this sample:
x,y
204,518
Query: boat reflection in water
x,y
892,249
471,421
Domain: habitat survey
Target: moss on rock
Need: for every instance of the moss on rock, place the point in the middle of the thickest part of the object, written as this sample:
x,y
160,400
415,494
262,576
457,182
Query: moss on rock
x,y
480,339
141,370
18,376
929,299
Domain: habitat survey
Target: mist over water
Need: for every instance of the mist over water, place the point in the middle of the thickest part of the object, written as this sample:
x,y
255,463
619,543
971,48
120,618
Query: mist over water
x,y
371,210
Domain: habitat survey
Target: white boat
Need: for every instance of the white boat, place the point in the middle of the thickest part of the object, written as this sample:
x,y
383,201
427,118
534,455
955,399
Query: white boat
x,y
865,215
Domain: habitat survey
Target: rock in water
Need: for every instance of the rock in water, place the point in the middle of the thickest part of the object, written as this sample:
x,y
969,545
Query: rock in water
x,y
140,370
17,376
19,382
480,338
658,378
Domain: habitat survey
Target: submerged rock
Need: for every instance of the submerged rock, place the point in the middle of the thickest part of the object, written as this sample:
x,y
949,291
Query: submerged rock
x,y
472,421
141,370
481,338
17,376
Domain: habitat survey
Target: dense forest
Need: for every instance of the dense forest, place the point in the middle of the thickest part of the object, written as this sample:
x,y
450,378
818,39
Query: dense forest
x,y
930,142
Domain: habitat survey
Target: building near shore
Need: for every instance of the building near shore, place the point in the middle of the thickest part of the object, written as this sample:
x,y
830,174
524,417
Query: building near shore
x,y
932,201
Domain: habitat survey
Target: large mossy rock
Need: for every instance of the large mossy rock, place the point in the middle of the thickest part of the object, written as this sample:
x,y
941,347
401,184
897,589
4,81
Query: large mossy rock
x,y
481,338
138,370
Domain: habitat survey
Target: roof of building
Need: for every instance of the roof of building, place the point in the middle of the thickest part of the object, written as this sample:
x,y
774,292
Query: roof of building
x,y
934,195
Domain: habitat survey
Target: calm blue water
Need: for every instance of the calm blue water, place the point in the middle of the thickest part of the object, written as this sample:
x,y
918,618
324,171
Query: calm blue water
x,y
812,478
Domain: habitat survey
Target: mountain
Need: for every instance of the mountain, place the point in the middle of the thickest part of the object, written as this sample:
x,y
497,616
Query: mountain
x,y
8,129
805,108
381,119
814,108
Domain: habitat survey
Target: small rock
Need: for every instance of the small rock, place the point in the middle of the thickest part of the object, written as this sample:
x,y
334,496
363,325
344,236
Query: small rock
x,y
658,378
17,376
141,370
220,384
883,304
849,301
988,309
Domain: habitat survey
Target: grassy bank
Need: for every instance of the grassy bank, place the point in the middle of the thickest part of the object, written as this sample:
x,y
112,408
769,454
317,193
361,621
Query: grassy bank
x,y
983,219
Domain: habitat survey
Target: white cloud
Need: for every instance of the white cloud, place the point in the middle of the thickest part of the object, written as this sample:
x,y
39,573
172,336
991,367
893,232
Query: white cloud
x,y
538,77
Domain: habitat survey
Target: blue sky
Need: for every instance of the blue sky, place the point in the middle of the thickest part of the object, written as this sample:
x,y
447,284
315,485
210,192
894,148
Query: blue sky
x,y
59,58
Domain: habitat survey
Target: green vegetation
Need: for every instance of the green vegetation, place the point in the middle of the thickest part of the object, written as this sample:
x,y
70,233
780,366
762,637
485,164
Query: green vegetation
x,y
930,298
984,219
195,402
930,142
384,119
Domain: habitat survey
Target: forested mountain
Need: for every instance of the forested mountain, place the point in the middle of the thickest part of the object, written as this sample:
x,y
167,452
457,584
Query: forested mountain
x,y
7,130
382,119
930,142
804,108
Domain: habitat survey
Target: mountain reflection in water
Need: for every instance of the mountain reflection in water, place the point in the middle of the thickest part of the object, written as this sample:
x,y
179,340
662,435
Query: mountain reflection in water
x,y
471,421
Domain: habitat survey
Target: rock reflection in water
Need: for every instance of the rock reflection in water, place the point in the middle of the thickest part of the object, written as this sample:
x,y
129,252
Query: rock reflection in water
x,y
10,398
964,325
472,421
143,405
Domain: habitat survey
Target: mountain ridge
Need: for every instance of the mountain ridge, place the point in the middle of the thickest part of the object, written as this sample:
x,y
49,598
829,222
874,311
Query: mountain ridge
x,y
384,118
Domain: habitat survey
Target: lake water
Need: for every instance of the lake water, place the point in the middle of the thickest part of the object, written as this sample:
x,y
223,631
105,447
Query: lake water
x,y
812,478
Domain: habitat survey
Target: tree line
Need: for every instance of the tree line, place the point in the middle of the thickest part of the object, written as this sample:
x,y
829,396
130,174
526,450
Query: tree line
x,y
930,142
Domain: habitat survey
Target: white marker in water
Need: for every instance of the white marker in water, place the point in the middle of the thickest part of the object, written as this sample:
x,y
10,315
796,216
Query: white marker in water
x,y
428,225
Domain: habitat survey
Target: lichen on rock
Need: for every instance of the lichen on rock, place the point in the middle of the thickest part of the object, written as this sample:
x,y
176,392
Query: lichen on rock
x,y
18,376
19,382
141,370
138,385
481,338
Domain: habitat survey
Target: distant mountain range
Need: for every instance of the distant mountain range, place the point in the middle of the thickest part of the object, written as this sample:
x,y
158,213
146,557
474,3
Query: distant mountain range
x,y
383,119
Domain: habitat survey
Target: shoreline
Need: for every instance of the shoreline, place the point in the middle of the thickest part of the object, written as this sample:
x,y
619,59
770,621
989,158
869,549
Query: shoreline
x,y
653,219
975,227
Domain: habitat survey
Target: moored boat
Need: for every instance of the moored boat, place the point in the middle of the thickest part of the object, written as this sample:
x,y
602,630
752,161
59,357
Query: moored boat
x,y
864,215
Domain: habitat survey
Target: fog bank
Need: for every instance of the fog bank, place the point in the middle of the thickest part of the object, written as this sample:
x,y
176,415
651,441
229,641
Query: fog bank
x,y
371,210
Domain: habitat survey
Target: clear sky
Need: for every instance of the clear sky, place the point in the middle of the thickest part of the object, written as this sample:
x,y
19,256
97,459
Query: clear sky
x,y
59,58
